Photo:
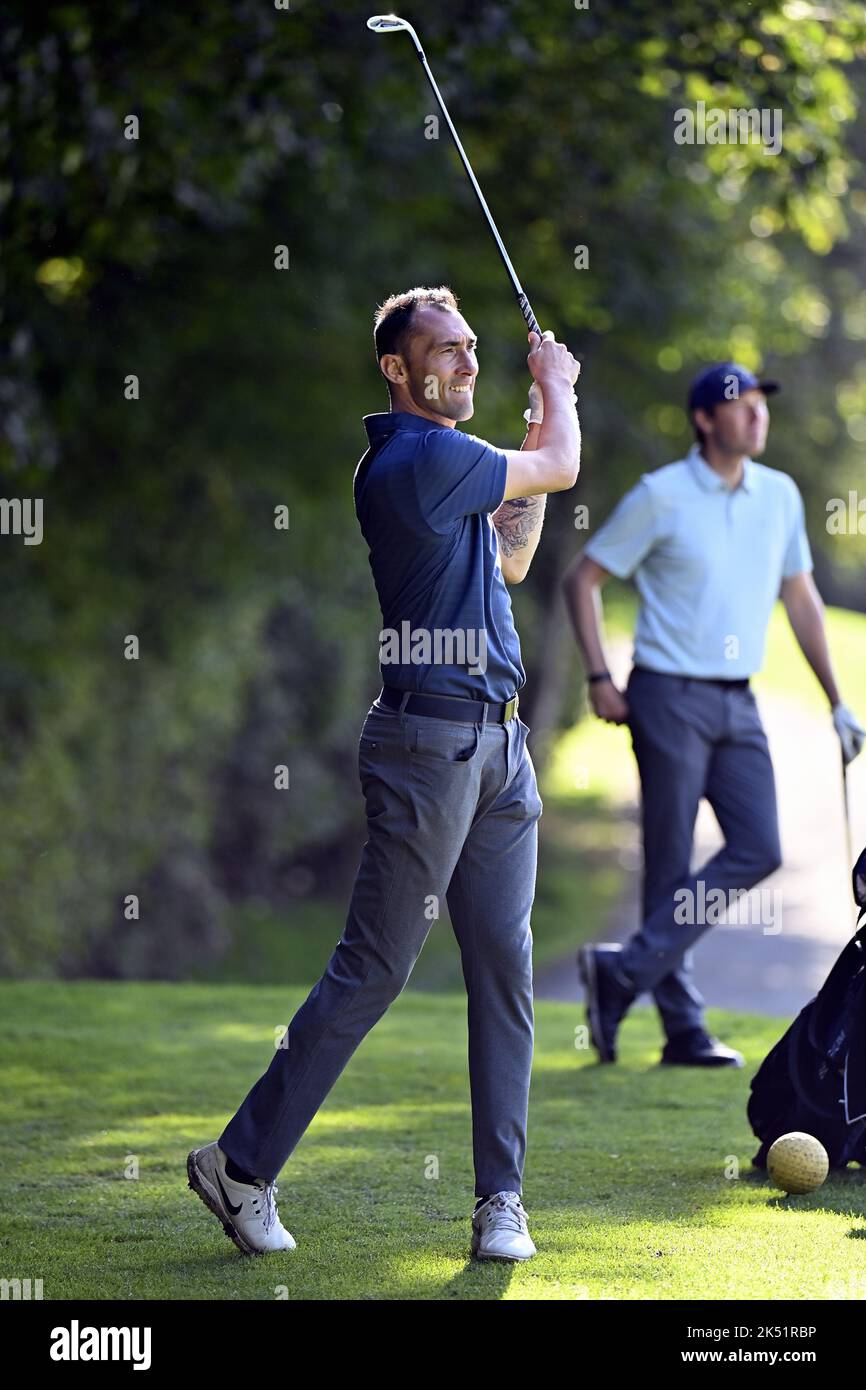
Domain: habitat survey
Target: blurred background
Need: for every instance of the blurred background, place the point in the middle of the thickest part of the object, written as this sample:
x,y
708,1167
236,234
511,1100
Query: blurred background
x,y
154,256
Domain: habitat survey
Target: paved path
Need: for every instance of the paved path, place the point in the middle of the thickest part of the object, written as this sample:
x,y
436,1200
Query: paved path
x,y
741,966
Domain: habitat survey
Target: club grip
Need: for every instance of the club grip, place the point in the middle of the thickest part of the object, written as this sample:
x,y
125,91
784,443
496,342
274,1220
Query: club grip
x,y
526,309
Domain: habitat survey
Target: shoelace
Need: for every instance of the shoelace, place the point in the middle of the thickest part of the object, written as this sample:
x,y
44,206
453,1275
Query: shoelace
x,y
507,1213
270,1192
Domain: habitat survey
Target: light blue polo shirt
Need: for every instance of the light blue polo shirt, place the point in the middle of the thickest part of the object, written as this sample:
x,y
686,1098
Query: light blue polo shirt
x,y
707,561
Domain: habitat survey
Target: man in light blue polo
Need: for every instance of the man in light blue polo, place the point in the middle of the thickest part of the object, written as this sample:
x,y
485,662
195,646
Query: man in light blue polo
x,y
710,541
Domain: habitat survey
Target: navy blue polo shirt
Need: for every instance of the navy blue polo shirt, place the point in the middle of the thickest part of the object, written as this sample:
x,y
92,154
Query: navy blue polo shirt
x,y
423,497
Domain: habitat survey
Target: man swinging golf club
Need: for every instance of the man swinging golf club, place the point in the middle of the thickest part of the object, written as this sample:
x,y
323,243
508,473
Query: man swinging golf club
x,y
711,541
451,799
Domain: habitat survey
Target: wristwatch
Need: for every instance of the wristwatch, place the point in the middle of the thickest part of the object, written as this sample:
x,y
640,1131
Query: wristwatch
x,y
598,676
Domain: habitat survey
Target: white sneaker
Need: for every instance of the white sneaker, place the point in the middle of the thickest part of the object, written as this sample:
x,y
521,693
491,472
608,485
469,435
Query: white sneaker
x,y
499,1230
248,1213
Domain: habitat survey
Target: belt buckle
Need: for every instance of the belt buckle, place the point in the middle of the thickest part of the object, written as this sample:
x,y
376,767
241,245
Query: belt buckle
x,y
510,708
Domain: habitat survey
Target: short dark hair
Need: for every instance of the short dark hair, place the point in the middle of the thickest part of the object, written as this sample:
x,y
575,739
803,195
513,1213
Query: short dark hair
x,y
700,434
392,331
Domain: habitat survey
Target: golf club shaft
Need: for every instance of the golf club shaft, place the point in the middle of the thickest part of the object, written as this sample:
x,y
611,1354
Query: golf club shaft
x,y
846,806
384,23
525,307
847,809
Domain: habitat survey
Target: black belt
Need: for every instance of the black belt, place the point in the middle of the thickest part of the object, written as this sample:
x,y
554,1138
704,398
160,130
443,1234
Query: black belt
x,y
740,682
449,706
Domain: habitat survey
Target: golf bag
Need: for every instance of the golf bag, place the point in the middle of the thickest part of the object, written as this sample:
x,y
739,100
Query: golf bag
x,y
814,1079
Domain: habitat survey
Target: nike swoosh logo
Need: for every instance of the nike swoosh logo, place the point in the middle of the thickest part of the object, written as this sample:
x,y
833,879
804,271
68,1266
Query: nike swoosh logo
x,y
234,1210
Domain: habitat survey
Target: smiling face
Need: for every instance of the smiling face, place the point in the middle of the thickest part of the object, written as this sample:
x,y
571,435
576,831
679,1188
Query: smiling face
x,y
435,376
737,427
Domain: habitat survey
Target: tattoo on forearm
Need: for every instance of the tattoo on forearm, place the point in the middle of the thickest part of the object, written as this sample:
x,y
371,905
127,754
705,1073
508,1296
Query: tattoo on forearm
x,y
516,522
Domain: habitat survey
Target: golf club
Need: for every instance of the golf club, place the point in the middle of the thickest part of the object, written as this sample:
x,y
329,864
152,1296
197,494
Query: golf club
x,y
846,806
385,23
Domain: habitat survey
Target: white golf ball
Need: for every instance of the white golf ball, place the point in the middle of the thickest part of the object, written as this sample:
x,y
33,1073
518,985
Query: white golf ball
x,y
797,1162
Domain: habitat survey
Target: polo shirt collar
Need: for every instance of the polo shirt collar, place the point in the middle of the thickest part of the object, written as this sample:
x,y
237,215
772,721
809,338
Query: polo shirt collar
x,y
387,421
712,481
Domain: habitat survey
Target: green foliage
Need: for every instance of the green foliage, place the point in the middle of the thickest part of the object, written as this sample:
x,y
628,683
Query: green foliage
x,y
260,128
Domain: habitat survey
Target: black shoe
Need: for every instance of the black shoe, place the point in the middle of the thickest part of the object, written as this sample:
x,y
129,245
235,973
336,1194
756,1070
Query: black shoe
x,y
607,999
695,1048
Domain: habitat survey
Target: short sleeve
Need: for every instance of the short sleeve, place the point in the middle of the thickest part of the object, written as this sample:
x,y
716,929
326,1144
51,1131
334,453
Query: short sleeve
x,y
456,474
798,556
628,535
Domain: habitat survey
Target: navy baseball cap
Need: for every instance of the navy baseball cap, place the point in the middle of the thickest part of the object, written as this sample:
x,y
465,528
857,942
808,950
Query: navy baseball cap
x,y
716,384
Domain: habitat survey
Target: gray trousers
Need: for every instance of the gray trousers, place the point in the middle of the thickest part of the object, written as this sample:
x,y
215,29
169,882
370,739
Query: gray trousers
x,y
452,813
694,738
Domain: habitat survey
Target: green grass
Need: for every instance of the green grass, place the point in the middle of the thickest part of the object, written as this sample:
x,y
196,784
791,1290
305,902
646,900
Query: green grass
x,y
625,1183
625,1180
786,672
580,878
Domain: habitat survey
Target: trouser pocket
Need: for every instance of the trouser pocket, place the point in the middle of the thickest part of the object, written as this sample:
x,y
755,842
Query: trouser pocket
x,y
440,740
